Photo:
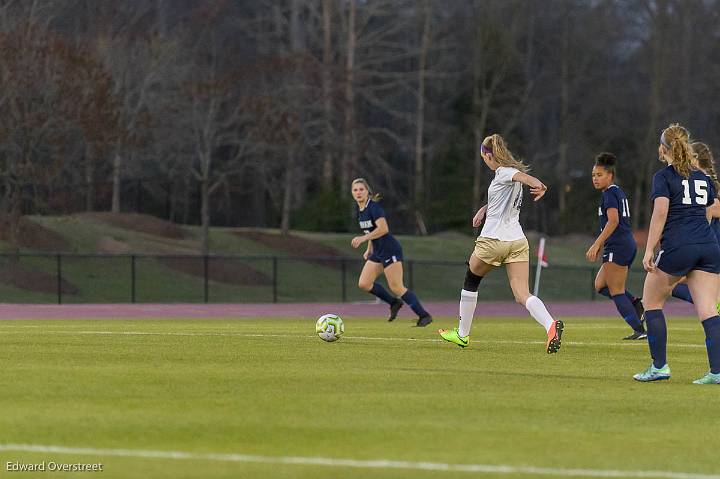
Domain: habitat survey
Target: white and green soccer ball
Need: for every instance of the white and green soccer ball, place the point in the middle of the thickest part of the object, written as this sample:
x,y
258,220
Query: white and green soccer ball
x,y
329,327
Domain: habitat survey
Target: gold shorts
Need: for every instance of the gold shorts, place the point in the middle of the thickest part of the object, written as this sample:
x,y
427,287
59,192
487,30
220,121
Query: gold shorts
x,y
495,252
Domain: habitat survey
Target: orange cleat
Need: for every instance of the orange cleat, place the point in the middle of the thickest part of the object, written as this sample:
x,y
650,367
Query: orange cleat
x,y
554,336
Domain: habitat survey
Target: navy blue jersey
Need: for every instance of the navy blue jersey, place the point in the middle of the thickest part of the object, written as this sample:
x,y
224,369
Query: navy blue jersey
x,y
714,222
689,197
367,219
614,197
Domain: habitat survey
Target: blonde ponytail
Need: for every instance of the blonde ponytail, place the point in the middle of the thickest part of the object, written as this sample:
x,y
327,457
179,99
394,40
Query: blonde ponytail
x,y
705,161
495,145
677,140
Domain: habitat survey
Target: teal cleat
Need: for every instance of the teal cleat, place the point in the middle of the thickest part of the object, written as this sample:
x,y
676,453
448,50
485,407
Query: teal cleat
x,y
452,336
709,378
653,374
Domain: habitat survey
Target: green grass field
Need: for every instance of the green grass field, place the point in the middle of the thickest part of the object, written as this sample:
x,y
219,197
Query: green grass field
x,y
385,391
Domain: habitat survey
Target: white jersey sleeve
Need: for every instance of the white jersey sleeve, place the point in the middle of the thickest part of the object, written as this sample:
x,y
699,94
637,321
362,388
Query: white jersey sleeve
x,y
504,174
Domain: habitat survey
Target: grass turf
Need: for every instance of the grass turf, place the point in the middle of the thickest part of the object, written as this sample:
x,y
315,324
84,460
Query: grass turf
x,y
270,387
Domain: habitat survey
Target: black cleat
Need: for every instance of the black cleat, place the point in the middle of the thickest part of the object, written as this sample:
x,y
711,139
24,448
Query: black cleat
x,y
394,308
637,304
424,321
636,335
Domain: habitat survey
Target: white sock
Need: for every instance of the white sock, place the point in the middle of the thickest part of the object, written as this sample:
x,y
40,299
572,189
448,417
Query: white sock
x,y
468,301
537,310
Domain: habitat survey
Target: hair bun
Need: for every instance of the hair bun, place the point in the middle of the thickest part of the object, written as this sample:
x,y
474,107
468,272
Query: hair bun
x,y
605,159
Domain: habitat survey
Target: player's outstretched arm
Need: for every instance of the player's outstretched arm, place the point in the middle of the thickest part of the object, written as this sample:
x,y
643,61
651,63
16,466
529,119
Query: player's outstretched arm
x,y
537,188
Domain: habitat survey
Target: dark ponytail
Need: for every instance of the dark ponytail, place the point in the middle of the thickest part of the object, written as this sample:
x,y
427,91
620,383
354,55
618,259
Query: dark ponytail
x,y
607,161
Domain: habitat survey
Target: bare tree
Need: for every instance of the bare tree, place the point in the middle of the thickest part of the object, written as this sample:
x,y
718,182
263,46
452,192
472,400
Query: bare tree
x,y
140,66
218,118
349,161
327,94
58,105
419,189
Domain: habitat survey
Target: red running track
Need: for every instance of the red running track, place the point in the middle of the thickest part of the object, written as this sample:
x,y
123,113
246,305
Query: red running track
x,y
303,310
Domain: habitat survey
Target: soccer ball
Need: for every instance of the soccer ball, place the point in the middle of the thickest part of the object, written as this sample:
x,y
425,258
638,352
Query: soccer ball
x,y
329,327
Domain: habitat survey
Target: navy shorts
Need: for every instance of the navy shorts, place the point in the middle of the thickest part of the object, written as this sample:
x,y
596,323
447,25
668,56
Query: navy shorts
x,y
386,258
620,255
683,259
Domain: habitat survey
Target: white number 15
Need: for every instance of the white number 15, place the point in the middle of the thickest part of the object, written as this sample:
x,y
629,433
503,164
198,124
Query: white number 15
x,y
701,193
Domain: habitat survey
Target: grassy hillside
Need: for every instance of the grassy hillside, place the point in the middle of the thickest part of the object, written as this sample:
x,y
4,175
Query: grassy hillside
x,y
435,273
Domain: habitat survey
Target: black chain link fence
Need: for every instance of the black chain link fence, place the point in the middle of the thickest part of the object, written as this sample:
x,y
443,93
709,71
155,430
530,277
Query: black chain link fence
x,y
151,278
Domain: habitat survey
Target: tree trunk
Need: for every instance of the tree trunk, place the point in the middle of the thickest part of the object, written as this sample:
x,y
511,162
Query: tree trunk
x,y
480,124
641,207
205,215
479,114
288,193
327,171
349,160
562,164
14,217
292,186
186,196
89,180
172,202
419,190
117,183
686,71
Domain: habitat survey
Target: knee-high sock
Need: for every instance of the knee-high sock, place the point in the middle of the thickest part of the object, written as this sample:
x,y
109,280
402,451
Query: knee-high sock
x,y
382,293
712,342
539,312
606,292
657,336
468,301
413,301
627,311
681,291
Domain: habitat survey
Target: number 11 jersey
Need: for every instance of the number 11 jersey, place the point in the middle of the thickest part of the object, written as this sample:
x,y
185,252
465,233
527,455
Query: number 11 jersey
x,y
614,197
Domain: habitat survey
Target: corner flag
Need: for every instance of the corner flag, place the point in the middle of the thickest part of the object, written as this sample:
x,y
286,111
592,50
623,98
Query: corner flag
x,y
541,263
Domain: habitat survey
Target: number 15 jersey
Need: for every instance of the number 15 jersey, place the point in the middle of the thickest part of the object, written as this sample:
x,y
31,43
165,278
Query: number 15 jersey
x,y
689,197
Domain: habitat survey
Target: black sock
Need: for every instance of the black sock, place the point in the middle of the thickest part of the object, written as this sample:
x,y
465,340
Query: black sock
x,y
413,301
382,293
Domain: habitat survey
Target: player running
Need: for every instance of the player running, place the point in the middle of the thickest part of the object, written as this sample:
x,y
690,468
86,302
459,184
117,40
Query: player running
x,y
383,255
502,241
618,245
681,194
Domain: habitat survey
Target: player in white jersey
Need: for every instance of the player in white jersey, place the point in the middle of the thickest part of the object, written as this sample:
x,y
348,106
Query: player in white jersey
x,y
502,241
